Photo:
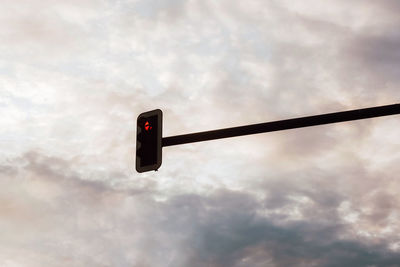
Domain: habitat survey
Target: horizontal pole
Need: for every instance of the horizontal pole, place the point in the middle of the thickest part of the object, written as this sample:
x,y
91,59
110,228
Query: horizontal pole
x,y
328,118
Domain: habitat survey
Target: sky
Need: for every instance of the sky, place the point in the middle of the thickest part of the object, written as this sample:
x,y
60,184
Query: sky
x,y
74,76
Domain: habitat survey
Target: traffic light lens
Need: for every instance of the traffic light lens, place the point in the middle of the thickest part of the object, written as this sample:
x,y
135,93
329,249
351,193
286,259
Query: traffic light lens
x,y
147,126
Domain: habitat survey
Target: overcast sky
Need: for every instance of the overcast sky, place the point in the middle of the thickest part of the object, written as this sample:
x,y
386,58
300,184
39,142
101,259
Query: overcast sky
x,y
74,76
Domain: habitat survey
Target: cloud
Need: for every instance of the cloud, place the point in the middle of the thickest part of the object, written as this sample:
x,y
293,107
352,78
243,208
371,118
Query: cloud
x,y
73,219
380,54
75,76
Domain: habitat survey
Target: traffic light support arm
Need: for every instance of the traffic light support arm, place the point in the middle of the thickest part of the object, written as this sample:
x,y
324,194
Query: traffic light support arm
x,y
328,118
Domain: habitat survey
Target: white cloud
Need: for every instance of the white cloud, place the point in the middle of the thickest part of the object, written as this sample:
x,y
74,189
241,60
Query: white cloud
x,y
74,76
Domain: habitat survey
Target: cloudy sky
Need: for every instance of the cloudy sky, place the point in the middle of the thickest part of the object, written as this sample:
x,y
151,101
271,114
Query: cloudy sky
x,y
74,75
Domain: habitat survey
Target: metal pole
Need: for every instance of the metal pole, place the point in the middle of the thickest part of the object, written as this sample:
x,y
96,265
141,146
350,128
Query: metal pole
x,y
351,115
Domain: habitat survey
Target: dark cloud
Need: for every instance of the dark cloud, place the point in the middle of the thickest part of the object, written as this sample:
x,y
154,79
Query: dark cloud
x,y
223,227
226,229
378,56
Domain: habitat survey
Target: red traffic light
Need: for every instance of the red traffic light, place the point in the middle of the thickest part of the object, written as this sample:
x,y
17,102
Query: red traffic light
x,y
147,126
149,141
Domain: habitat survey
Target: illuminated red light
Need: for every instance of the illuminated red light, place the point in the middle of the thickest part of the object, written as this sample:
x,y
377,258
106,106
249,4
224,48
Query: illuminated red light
x,y
147,126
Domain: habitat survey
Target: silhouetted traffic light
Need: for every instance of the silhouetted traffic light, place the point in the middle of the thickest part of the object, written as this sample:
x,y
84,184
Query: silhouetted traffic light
x,y
149,141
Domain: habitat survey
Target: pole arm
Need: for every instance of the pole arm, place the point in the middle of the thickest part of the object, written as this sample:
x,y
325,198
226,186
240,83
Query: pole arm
x,y
328,118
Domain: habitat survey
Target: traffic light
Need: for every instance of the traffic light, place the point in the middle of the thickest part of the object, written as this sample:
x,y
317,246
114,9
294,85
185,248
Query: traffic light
x,y
149,141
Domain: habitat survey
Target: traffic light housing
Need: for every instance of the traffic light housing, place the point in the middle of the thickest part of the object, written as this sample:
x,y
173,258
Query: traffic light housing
x,y
149,141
